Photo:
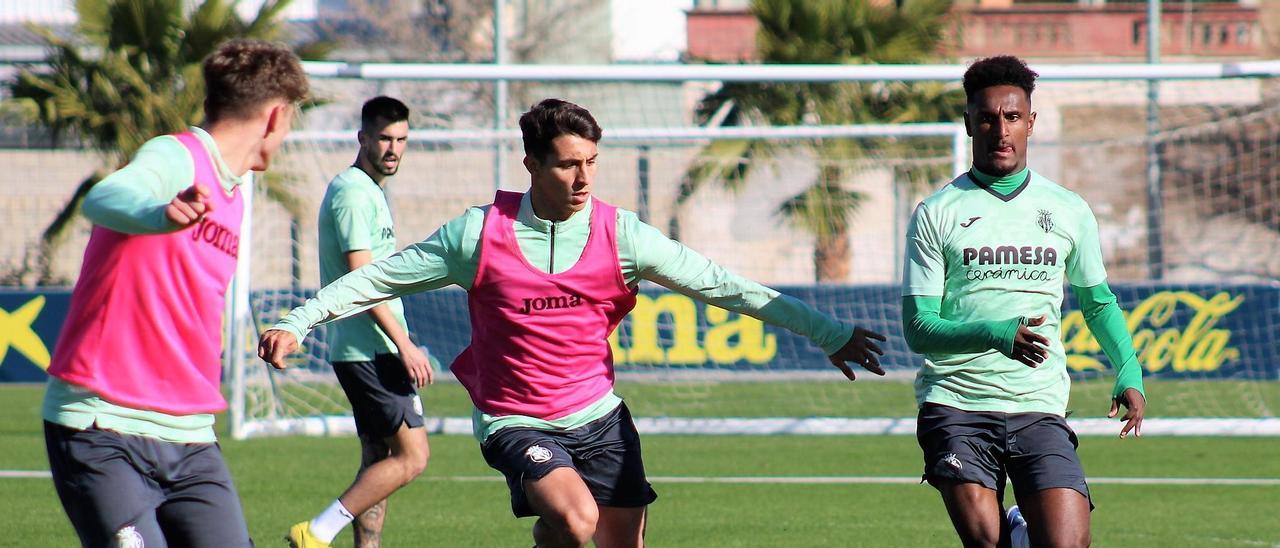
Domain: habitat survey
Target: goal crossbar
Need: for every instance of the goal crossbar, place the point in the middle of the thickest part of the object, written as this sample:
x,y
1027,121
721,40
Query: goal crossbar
x,y
774,73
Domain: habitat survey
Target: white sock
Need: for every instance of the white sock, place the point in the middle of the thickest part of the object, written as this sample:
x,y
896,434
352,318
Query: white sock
x,y
330,522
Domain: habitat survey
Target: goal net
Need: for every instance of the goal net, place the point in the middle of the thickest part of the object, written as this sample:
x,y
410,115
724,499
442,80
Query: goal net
x,y
819,211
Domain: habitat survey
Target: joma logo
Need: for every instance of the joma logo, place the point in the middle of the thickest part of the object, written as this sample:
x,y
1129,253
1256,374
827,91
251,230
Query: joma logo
x,y
537,304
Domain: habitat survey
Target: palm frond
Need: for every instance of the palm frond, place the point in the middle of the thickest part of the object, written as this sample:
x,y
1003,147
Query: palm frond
x,y
822,209
829,32
281,187
133,72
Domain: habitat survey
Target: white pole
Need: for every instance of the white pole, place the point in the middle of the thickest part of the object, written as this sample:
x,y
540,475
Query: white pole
x,y
238,314
959,150
674,134
774,73
499,96
1155,192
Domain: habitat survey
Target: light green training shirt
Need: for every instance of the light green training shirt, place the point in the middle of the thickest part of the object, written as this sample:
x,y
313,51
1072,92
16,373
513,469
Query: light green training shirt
x,y
354,216
450,257
132,200
996,257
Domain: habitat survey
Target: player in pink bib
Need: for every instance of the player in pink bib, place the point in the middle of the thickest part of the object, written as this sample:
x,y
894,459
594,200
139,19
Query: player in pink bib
x,y
136,374
549,274
517,309
175,365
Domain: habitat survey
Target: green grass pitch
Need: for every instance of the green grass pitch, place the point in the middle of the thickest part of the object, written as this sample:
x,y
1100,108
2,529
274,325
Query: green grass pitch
x,y
460,502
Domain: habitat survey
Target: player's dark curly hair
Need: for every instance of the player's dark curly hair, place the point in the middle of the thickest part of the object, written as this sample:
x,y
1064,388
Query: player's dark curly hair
x,y
1001,70
552,118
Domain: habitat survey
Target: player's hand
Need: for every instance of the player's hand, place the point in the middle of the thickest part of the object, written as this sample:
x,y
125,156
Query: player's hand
x,y
1028,347
862,350
189,206
275,345
417,365
1136,405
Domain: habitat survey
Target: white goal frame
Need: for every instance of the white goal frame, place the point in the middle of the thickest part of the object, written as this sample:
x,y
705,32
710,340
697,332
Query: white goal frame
x,y
241,324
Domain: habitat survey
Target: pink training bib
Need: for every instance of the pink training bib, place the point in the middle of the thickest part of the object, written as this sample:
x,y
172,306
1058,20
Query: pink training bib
x,y
539,341
145,325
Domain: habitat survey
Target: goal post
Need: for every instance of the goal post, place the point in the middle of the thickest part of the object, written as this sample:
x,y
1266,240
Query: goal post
x,y
1207,329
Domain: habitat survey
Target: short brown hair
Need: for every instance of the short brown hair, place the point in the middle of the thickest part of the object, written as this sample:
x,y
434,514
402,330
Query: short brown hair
x,y
552,118
242,75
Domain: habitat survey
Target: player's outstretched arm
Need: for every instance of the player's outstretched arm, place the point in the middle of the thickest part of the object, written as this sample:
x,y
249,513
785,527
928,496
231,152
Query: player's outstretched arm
x,y
862,350
673,265
137,198
275,345
1105,320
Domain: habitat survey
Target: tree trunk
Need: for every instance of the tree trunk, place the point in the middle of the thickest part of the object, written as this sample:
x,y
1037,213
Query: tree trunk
x,y
55,234
832,257
1269,24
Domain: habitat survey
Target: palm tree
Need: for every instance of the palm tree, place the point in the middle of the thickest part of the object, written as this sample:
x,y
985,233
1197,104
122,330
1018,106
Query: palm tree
x,y
828,32
131,72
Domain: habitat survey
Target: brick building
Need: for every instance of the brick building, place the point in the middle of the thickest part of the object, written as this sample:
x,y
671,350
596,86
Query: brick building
x,y
1076,31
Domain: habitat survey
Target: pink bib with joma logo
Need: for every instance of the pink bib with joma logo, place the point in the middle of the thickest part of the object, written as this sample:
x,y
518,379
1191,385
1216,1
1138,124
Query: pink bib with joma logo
x,y
145,325
539,341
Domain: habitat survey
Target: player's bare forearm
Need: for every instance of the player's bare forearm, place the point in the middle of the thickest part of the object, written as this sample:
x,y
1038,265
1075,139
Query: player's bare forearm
x,y
381,314
416,363
386,320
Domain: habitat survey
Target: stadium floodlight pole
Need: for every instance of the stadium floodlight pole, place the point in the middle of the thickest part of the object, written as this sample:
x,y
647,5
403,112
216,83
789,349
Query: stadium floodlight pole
x,y
1155,191
499,95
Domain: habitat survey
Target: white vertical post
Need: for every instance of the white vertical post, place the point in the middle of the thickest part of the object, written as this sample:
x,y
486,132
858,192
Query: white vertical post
x,y
238,315
499,97
901,196
959,151
1155,192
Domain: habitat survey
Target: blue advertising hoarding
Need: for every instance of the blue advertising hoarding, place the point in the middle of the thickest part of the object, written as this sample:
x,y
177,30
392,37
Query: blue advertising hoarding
x,y
1197,331
29,325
